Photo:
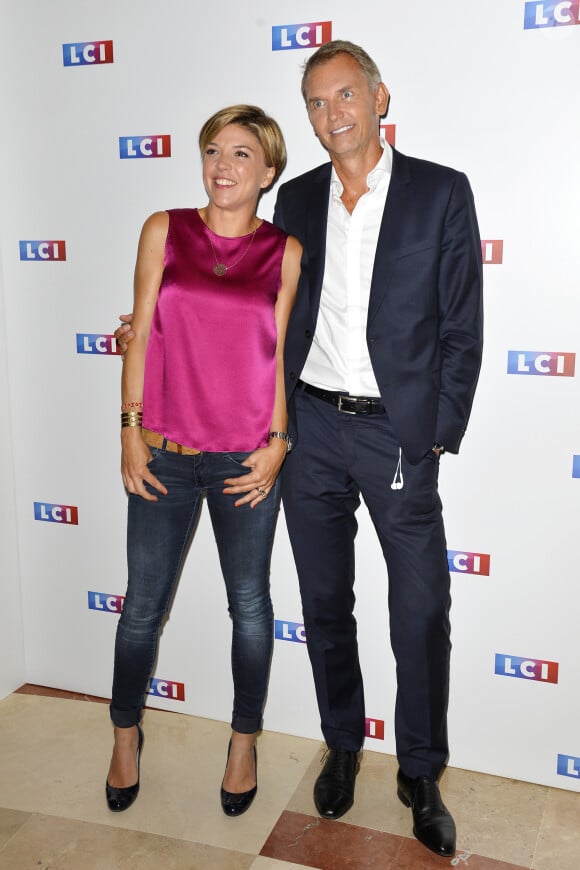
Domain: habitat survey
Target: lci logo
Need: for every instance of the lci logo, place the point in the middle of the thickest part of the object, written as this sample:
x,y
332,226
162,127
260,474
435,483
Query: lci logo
x,y
88,342
166,689
87,53
568,765
42,251
135,147
526,669
389,131
576,466
468,563
492,251
375,728
65,514
536,362
106,603
289,36
293,631
545,14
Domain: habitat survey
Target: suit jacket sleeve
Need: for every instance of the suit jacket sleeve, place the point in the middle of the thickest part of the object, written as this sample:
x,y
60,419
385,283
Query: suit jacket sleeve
x,y
460,285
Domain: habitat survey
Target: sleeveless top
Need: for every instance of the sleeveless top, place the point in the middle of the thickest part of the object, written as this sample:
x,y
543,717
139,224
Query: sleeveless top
x,y
210,365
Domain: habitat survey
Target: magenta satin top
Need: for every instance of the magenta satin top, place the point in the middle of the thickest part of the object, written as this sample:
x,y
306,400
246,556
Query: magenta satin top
x,y
210,367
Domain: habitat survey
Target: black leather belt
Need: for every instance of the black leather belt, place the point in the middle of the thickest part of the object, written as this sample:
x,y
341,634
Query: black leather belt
x,y
345,403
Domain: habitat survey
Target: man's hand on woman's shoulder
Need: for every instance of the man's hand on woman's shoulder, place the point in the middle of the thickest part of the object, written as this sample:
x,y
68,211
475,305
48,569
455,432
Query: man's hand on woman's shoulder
x,y
124,334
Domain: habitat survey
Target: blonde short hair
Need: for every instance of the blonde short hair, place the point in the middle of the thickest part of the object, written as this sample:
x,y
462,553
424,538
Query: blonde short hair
x,y
262,127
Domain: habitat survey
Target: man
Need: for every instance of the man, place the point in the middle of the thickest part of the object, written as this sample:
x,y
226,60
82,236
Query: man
x,y
389,309
383,352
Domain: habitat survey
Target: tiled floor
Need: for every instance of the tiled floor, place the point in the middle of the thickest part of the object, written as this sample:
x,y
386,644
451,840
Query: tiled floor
x,y
54,754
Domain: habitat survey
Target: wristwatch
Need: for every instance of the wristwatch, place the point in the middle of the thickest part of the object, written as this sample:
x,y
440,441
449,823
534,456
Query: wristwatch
x,y
283,437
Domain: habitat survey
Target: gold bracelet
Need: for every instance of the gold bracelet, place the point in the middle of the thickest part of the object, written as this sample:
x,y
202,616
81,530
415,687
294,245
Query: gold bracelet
x,y
131,418
126,406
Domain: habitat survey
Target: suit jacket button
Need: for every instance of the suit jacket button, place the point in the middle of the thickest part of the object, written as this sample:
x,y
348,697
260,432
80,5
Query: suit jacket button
x,y
308,334
292,376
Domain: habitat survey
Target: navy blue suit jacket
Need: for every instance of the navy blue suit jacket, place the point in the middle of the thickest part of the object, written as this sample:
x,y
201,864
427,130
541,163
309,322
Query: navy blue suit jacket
x,y
425,321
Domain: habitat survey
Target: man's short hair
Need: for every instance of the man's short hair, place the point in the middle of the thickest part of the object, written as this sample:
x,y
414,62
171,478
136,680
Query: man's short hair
x,y
330,50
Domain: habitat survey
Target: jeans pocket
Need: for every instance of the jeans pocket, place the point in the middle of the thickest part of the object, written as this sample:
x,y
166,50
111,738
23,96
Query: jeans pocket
x,y
155,452
238,459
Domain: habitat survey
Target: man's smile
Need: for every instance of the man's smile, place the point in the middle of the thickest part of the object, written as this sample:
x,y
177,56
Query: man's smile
x,y
344,129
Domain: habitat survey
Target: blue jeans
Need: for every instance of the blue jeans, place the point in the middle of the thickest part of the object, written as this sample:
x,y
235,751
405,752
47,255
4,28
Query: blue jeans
x,y
158,534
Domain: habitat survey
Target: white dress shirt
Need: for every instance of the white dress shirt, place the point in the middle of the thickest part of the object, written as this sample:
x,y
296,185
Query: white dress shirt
x,y
339,357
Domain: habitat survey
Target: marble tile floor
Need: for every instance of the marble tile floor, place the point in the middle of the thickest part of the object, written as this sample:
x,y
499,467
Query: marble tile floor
x,y
54,751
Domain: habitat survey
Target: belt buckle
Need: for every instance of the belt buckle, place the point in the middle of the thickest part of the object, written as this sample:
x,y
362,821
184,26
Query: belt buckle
x,y
341,409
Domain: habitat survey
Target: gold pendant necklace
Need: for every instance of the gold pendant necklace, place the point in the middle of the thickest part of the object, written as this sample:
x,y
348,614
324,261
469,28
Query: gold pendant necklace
x,y
220,269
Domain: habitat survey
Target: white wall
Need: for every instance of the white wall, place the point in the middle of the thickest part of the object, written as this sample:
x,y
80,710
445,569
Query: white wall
x,y
470,88
12,668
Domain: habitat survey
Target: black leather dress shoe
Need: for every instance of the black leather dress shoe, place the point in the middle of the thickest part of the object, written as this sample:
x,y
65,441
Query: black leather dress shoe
x,y
433,824
120,799
334,788
236,803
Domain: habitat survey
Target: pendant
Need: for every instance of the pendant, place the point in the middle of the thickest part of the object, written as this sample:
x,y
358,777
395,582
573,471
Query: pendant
x,y
219,269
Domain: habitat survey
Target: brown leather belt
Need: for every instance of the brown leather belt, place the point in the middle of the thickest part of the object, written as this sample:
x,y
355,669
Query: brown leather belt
x,y
155,439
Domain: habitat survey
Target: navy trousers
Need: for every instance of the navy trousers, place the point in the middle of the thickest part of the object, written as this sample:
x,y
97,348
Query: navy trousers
x,y
337,459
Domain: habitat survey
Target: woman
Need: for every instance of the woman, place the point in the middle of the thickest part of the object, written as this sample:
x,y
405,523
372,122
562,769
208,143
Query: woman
x,y
203,401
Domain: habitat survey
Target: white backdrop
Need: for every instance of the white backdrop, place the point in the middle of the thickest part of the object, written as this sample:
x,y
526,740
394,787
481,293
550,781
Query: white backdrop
x,y
12,667
473,89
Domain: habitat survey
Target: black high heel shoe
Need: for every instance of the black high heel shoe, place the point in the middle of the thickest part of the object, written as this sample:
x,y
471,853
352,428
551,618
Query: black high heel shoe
x,y
119,799
235,804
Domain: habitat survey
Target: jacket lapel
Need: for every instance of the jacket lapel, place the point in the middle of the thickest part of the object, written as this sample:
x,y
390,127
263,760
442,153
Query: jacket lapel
x,y
389,241
316,222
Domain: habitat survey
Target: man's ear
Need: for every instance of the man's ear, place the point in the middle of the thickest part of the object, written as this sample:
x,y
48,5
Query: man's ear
x,y
382,97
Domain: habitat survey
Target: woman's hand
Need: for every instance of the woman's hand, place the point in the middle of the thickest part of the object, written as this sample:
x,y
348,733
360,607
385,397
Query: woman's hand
x,y
135,457
265,463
